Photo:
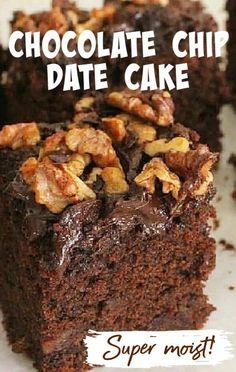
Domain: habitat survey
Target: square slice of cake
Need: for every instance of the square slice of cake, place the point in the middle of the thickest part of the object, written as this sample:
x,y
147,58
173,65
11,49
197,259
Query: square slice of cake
x,y
104,226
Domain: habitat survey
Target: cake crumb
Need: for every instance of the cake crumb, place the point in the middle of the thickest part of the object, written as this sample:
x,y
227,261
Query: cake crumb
x,y
234,194
219,198
231,288
216,224
232,160
227,246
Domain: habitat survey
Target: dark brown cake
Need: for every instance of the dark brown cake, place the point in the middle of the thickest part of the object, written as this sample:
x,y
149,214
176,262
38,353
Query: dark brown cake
x,y
40,104
103,232
2,98
231,70
201,102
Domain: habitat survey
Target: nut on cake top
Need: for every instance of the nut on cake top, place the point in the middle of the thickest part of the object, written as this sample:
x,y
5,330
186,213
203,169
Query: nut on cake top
x,y
121,143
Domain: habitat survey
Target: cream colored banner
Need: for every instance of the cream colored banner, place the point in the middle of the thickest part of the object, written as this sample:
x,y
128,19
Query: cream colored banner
x,y
154,349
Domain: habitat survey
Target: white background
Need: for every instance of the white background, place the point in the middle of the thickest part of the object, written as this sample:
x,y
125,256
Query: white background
x,y
225,274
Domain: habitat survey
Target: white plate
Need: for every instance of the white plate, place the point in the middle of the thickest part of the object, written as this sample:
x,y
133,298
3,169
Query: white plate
x,y
225,274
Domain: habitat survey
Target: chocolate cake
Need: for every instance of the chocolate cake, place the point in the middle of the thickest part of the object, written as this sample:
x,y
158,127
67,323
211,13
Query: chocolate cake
x,y
29,74
197,106
231,7
203,100
104,226
2,69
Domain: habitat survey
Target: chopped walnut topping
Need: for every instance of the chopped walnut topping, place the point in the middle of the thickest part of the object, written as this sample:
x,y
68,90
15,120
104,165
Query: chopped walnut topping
x,y
54,143
156,168
23,22
77,163
98,18
92,178
105,13
146,2
115,127
163,146
164,105
207,177
94,142
194,167
28,170
63,17
206,167
204,186
92,24
183,168
53,20
114,179
73,17
19,135
185,164
157,109
181,131
73,138
55,186
84,110
84,103
145,133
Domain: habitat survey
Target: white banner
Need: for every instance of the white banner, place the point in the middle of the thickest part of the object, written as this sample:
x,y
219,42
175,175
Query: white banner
x,y
154,349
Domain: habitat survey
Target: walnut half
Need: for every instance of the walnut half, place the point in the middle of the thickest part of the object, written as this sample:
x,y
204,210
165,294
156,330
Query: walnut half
x,y
156,168
114,179
157,108
21,135
54,185
145,133
94,142
115,126
162,146
207,178
194,168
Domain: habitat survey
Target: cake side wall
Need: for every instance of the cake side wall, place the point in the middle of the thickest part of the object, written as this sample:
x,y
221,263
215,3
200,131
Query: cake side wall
x,y
20,293
118,278
122,281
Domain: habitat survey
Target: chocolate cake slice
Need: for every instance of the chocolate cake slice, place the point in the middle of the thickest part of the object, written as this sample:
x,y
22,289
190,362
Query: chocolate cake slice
x,y
208,90
231,70
197,106
30,74
104,226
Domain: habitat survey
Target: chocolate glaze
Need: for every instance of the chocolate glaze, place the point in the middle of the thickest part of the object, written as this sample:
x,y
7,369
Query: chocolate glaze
x,y
73,224
117,215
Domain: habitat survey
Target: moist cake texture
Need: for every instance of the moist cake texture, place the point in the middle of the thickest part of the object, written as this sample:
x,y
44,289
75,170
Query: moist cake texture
x,y
197,106
104,226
